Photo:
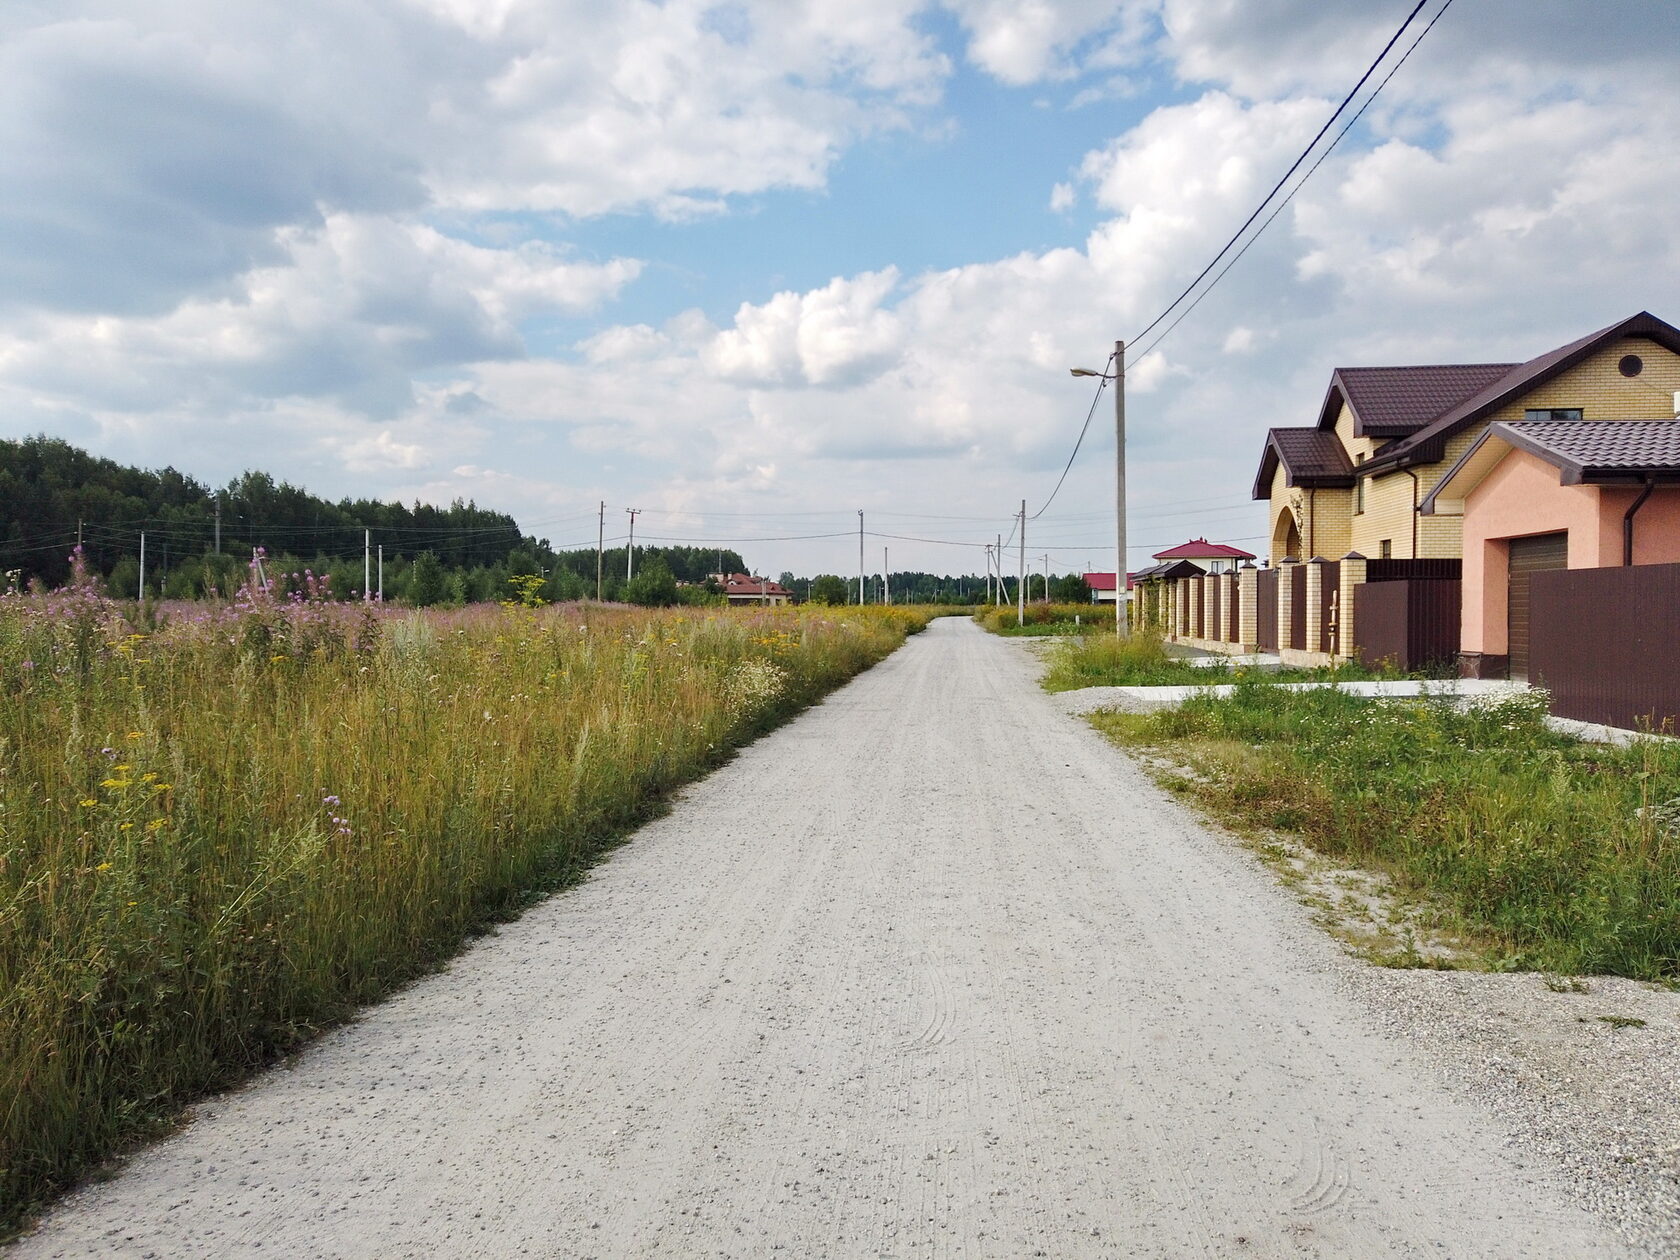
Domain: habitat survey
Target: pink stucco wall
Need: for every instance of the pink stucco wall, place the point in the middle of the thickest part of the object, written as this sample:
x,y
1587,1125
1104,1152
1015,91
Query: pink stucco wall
x,y
1522,497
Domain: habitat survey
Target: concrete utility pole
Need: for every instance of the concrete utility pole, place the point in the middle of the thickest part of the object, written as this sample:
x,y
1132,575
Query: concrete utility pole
x,y
142,592
367,564
218,522
1021,586
600,542
630,563
886,579
1000,590
1046,558
381,596
988,573
1122,614
860,557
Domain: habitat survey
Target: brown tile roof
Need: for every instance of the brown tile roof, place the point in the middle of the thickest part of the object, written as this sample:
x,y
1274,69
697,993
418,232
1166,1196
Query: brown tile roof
x,y
1398,401
1311,458
1428,444
1599,450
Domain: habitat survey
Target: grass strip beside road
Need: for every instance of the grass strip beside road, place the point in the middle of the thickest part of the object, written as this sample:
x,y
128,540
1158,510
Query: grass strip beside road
x,y
1563,856
1141,660
221,837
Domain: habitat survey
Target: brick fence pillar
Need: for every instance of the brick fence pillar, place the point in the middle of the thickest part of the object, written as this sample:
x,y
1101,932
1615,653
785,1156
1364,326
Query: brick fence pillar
x,y
1316,597
1289,573
1353,574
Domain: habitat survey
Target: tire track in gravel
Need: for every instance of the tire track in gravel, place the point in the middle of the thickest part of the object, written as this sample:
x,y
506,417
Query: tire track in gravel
x,y
932,971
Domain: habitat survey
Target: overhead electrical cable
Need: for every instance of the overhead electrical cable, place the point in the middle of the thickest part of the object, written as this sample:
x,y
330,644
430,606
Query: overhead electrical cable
x,y
1294,166
1279,208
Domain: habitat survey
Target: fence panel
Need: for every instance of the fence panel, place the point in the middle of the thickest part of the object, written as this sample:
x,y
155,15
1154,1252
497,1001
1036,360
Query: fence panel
x,y
1605,643
1265,609
1411,625
1404,570
1324,633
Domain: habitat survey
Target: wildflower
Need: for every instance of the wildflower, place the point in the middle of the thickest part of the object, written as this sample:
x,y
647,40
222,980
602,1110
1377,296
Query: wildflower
x,y
156,824
329,800
162,787
135,735
115,783
126,827
88,802
103,866
149,777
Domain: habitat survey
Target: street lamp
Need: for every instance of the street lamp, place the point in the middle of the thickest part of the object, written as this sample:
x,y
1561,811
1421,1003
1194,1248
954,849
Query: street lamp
x,y
1121,613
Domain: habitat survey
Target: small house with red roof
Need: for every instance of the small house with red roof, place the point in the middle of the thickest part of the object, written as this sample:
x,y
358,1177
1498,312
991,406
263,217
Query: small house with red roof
x,y
1206,556
742,588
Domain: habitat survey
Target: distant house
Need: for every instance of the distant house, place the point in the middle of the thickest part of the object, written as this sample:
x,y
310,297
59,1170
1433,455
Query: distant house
x,y
741,588
1102,584
1542,495
1206,556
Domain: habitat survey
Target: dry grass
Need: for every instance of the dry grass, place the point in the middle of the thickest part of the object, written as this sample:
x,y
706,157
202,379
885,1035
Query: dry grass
x,y
222,836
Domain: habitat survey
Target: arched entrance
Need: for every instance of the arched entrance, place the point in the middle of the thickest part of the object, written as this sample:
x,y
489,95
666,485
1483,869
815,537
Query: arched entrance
x,y
1286,537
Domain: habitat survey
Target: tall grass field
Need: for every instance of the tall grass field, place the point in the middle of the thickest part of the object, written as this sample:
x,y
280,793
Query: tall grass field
x,y
221,833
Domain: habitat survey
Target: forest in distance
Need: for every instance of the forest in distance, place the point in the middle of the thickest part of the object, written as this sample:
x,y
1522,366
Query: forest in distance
x,y
200,540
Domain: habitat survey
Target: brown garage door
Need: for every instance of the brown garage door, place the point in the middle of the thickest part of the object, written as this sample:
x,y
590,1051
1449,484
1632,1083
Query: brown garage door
x,y
1529,556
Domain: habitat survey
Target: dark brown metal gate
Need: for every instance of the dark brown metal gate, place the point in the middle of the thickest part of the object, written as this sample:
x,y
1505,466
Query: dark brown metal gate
x,y
1331,571
1265,610
1606,643
1407,625
1541,554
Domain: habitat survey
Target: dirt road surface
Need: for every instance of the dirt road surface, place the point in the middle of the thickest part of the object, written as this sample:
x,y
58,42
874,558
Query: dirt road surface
x,y
932,971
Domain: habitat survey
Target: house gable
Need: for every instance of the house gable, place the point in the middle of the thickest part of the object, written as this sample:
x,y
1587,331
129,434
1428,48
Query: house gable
x,y
1524,384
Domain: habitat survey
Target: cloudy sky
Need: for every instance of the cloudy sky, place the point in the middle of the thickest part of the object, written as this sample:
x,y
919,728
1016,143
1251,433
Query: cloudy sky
x,y
754,266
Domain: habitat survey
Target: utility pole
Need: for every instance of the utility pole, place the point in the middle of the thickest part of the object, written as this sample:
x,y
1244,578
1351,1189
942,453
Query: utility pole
x,y
860,557
600,541
1122,613
988,573
78,534
630,563
1046,558
381,573
142,566
886,579
1021,585
218,522
367,564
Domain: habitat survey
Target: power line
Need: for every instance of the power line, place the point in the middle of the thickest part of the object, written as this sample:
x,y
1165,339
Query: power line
x,y
1294,166
1328,150
1102,383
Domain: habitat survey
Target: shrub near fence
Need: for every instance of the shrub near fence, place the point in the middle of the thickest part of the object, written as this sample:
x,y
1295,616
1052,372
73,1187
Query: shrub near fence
x,y
220,837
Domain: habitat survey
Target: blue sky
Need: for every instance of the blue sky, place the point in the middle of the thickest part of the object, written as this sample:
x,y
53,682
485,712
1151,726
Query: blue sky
x,y
754,266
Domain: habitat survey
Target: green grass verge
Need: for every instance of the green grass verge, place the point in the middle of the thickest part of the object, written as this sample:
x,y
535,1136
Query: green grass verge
x,y
1563,856
1141,660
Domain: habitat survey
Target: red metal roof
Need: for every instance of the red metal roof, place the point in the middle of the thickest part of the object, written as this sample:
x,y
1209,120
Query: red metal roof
x,y
741,584
1202,549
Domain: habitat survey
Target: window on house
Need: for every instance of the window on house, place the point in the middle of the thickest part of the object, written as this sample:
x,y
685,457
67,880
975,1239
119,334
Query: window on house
x,y
1552,413
1358,487
1387,546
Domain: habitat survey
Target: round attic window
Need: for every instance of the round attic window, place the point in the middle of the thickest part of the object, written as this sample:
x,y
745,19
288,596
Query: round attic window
x,y
1631,365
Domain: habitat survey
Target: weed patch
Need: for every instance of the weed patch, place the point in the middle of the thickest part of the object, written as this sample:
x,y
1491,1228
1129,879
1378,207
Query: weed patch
x,y
1561,855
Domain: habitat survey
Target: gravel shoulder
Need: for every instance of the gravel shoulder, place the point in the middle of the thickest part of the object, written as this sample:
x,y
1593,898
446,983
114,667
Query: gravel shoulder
x,y
933,970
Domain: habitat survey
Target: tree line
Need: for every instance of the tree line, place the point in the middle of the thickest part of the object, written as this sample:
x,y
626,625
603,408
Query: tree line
x,y
54,495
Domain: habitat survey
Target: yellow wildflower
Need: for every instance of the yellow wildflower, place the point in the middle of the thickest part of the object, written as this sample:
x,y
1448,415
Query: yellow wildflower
x,y
103,866
135,735
88,802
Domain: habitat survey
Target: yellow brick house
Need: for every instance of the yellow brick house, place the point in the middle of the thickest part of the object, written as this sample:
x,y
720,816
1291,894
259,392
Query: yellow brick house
x,y
1354,481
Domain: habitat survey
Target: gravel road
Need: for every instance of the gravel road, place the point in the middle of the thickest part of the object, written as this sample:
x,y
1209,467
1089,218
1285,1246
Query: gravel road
x,y
932,971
